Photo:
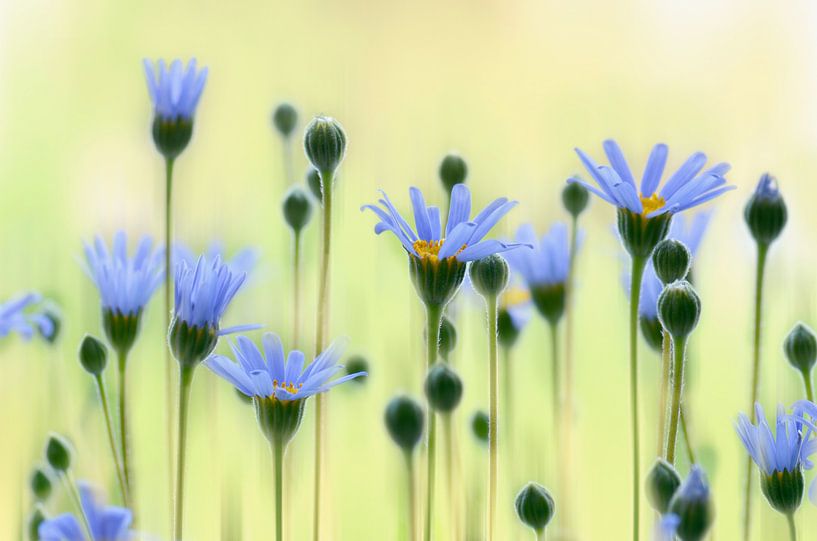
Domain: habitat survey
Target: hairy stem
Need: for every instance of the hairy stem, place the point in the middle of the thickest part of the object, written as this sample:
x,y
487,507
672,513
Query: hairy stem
x,y
493,416
185,380
434,316
638,264
678,350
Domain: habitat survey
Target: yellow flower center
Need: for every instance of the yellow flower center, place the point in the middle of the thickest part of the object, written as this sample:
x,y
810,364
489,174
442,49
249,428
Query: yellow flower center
x,y
429,249
286,386
652,203
515,297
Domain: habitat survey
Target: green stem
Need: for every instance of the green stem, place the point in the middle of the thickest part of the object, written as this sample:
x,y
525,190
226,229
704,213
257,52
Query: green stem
x,y
185,380
124,432
289,169
492,416
120,473
296,289
507,393
541,535
567,416
678,350
434,314
170,413
687,440
807,383
412,497
555,376
762,250
277,449
321,328
663,406
453,493
637,274
71,486
792,526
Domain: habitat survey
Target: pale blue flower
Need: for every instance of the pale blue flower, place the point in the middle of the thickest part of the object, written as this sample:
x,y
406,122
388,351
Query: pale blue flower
x,y
107,523
788,448
176,91
243,262
24,315
548,263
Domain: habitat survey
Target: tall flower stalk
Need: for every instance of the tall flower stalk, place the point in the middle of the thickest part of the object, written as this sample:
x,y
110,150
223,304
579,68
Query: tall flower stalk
x,y
297,210
643,219
404,421
765,215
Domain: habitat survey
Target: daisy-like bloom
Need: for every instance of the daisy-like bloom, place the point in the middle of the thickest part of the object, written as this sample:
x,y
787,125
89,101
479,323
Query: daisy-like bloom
x,y
544,268
243,262
175,93
125,284
107,523
24,316
438,255
782,455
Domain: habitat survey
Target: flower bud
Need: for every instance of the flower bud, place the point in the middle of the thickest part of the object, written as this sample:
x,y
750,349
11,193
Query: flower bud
x,y
662,483
766,212
507,331
784,489
58,453
279,419
453,171
549,300
404,420
801,348
36,518
313,181
693,506
171,135
121,329
41,485
652,331
671,260
93,355
639,234
436,281
443,388
285,119
448,338
490,275
679,308
479,426
575,198
297,208
355,364
535,506
191,344
325,144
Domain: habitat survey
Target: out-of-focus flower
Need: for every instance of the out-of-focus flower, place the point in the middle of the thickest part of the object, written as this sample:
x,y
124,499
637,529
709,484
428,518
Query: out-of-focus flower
x,y
107,523
24,316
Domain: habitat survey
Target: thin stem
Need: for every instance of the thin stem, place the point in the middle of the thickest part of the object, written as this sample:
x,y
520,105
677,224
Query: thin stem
x,y
120,473
185,379
566,435
412,496
507,394
170,414
296,289
321,328
762,250
124,432
541,535
434,314
492,416
792,527
687,442
453,493
663,406
555,376
807,383
277,449
289,169
71,486
638,264
678,350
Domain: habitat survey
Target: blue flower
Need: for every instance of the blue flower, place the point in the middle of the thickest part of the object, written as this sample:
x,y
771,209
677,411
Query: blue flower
x,y
175,92
690,512
267,375
688,187
107,523
16,316
651,288
243,262
548,263
125,284
690,231
462,238
788,448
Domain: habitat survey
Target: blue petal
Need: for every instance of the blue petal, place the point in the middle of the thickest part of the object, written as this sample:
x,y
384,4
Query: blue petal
x,y
420,214
618,161
654,169
460,208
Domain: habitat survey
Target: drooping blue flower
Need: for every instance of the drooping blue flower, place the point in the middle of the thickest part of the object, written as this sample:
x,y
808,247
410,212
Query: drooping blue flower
x,y
125,284
23,316
107,523
686,188
242,262
786,449
176,91
267,375
548,263
462,237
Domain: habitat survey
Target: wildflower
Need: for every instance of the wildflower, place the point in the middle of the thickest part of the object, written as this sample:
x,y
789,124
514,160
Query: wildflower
x,y
244,261
766,212
325,145
24,316
107,523
443,388
690,510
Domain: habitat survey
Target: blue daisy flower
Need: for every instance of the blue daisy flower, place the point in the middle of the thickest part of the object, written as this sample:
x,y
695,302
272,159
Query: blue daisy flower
x,y
175,91
23,315
548,263
107,523
243,262
688,187
788,448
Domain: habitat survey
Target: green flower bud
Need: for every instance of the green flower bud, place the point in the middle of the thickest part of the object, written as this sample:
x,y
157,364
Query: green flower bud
x,y
653,332
801,348
479,426
575,198
171,135
453,171
297,208
58,453
325,144
36,518
784,490
93,355
313,180
490,275
549,301
279,419
355,364
436,281
535,506
41,485
507,332
766,212
671,260
121,329
404,420
285,119
191,345
448,338
639,234
443,388
679,308
693,505
662,483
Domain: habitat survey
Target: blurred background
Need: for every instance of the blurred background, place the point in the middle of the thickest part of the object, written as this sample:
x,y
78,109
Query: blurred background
x,y
514,86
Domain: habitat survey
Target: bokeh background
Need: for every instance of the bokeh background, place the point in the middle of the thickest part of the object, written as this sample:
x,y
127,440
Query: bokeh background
x,y
513,86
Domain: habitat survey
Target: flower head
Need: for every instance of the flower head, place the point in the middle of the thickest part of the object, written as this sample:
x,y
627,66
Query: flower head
x,y
692,507
787,449
24,316
107,523
243,261
686,188
175,91
548,263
